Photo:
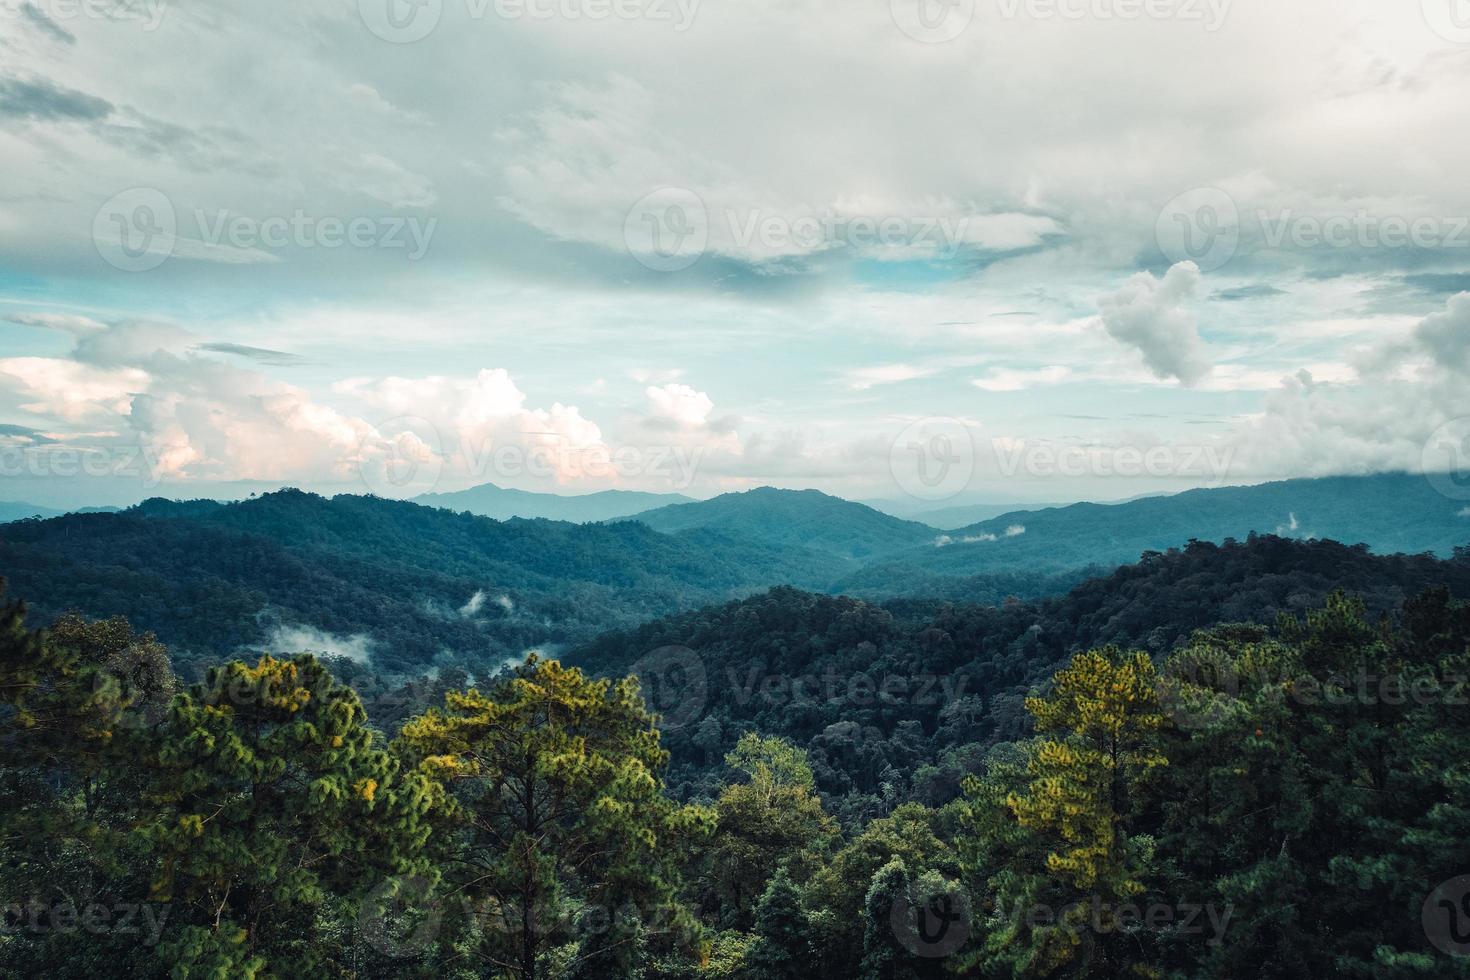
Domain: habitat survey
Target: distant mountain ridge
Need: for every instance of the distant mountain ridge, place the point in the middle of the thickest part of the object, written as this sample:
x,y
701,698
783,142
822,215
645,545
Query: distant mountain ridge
x,y
795,518
505,503
421,586
885,556
15,510
1391,513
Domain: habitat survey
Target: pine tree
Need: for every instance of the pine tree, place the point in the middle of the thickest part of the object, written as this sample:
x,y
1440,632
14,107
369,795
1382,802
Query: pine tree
x,y
273,797
558,804
1098,745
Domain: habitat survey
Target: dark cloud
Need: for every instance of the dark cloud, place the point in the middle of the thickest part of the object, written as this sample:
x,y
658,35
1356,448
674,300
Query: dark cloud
x,y
24,433
46,25
209,148
42,100
261,354
1439,283
1259,291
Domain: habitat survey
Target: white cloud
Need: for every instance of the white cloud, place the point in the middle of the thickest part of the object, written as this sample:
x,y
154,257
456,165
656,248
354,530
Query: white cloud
x,y
70,390
679,404
387,181
861,379
1003,379
1149,314
309,639
1445,336
64,322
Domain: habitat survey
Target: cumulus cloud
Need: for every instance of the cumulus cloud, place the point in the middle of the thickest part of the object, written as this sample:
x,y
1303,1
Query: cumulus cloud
x,y
1149,314
1445,336
202,417
482,426
1381,421
683,415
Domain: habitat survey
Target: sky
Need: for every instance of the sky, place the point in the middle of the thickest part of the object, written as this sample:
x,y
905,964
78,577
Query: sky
x,y
928,251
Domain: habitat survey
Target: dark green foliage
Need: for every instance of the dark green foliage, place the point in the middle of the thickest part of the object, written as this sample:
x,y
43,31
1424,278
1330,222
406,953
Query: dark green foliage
x,y
209,578
809,667
782,949
1297,775
795,519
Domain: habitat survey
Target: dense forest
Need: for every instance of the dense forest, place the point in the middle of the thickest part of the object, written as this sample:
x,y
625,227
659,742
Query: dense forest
x,y
899,701
1243,759
211,579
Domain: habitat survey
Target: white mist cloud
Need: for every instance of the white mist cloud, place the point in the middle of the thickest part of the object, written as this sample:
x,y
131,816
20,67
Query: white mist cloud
x,y
309,639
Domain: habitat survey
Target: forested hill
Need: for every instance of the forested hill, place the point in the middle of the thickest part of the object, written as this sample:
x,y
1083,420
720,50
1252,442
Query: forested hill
x,y
1389,512
870,751
795,518
504,503
406,585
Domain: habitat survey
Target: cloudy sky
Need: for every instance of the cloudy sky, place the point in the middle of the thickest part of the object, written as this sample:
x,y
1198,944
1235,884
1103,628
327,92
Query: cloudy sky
x,y
1011,250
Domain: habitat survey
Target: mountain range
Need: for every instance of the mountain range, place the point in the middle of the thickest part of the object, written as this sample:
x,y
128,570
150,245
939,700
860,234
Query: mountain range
x,y
504,503
407,586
